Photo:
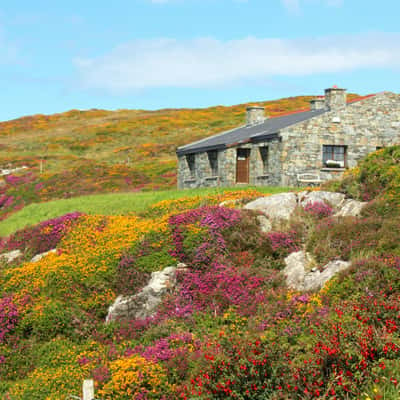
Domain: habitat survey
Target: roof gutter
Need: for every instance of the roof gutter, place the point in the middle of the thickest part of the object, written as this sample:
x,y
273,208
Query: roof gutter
x,y
203,149
268,137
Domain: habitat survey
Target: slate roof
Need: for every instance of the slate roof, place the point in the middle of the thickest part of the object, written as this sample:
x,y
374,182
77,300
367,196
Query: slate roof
x,y
268,129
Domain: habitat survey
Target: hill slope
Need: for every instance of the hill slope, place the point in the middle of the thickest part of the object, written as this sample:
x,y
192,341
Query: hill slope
x,y
231,329
98,151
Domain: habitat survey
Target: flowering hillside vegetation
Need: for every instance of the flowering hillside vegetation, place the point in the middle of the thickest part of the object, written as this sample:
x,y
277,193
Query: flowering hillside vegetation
x,y
230,329
83,152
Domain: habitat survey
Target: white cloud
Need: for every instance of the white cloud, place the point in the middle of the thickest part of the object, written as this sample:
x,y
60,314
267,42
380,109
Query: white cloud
x,y
207,62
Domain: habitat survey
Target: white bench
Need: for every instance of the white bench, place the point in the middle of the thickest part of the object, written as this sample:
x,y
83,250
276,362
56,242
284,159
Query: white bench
x,y
309,178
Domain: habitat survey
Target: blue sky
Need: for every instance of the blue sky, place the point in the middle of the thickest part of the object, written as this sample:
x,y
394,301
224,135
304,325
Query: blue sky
x,y
149,54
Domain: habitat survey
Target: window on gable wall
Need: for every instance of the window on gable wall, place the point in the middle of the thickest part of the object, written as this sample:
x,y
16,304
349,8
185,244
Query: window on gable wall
x,y
213,159
334,156
191,162
264,153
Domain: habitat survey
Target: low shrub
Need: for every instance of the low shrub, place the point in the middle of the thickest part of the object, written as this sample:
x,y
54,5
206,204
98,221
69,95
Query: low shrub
x,y
135,378
284,243
198,234
47,320
42,237
318,209
343,238
128,278
9,316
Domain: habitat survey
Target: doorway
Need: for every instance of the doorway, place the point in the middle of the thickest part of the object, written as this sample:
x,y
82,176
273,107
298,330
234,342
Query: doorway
x,y
242,165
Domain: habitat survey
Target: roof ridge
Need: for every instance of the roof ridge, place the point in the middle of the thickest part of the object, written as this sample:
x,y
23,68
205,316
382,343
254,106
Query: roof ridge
x,y
360,98
210,137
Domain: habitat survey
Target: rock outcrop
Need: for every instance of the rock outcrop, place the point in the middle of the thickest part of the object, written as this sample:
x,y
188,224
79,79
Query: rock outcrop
x,y
301,274
144,303
332,198
11,256
350,208
265,223
38,257
281,206
277,206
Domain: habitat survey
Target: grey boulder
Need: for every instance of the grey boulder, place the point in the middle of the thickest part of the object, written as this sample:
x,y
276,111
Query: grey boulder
x,y
278,206
38,257
333,198
350,208
11,256
144,303
300,274
265,223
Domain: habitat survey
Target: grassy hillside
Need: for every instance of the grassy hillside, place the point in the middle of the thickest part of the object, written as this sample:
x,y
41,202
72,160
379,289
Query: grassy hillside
x,y
84,152
231,329
111,204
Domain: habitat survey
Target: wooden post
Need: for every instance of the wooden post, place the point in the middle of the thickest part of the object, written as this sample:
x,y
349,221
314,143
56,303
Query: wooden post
x,y
88,389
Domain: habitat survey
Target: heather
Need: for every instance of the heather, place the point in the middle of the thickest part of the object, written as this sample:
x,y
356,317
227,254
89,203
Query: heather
x,y
40,238
230,329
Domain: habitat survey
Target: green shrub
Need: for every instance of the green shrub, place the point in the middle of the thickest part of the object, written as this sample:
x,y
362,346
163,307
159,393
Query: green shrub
x,y
372,276
48,320
246,236
343,238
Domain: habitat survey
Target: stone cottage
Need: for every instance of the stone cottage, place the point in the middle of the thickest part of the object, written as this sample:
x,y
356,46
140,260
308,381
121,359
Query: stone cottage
x,y
296,149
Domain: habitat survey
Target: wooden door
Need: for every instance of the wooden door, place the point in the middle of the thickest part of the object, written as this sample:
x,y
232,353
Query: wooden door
x,y
242,165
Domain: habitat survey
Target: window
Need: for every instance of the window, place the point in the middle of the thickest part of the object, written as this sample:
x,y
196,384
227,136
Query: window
x,y
191,162
334,156
264,153
213,159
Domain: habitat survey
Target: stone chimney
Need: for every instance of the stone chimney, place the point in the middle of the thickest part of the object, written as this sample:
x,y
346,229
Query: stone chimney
x,y
255,115
317,104
335,98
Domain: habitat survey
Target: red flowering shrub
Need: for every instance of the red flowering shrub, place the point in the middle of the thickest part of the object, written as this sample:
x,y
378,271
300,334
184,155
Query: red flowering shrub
x,y
198,234
284,243
128,278
42,237
8,317
318,209
217,289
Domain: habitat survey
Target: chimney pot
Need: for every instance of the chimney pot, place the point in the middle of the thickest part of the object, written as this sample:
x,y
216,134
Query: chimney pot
x,y
317,103
335,98
255,115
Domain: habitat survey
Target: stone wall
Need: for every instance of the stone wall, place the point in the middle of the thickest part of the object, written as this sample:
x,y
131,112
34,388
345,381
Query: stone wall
x,y
203,176
362,127
270,175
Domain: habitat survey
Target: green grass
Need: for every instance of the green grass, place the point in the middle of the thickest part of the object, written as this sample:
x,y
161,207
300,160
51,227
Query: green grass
x,y
108,204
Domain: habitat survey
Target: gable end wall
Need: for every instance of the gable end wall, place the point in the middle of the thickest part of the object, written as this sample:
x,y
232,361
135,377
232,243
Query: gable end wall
x,y
363,126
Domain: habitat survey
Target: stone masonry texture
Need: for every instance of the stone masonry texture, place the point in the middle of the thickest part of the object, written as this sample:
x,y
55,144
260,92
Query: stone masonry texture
x,y
361,127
